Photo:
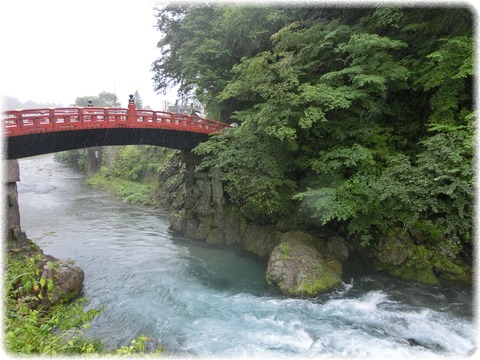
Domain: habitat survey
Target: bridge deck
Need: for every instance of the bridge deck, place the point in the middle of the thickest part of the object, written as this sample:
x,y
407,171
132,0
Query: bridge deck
x,y
39,131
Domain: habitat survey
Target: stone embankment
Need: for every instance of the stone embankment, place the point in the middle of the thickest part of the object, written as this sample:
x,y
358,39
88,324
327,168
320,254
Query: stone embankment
x,y
298,263
302,263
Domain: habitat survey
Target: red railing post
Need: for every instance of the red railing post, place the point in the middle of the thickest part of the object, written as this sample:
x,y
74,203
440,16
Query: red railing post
x,y
132,110
52,118
19,120
92,120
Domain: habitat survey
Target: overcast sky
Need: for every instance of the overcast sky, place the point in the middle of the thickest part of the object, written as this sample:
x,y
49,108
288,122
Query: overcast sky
x,y
56,50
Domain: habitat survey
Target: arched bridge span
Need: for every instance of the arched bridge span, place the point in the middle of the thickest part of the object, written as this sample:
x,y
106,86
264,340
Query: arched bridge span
x,y
41,131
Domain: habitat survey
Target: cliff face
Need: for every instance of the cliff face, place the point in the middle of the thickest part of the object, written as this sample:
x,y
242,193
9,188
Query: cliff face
x,y
304,270
302,263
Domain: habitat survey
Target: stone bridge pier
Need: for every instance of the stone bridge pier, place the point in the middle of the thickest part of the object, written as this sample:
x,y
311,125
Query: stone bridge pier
x,y
203,190
203,216
12,229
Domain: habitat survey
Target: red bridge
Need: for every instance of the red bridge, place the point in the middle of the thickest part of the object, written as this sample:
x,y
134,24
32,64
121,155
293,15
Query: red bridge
x,y
41,131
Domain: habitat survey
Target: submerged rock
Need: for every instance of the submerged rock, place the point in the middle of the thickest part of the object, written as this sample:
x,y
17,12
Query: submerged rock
x,y
297,268
259,240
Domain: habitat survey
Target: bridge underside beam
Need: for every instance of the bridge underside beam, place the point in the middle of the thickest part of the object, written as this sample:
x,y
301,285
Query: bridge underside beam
x,y
44,143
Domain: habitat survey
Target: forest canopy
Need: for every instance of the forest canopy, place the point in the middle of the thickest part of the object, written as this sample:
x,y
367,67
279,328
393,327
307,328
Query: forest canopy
x,y
356,118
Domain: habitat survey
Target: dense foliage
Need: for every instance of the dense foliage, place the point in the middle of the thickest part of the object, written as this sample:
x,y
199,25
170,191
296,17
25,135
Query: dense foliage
x,y
356,118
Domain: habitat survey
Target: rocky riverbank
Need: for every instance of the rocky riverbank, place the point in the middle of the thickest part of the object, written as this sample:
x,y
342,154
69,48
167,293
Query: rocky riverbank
x,y
302,260
302,263
45,280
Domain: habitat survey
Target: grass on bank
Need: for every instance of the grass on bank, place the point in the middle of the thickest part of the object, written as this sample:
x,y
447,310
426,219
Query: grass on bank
x,y
126,190
31,327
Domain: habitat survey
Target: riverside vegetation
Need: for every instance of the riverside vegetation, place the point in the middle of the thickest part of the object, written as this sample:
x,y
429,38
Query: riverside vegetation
x,y
353,121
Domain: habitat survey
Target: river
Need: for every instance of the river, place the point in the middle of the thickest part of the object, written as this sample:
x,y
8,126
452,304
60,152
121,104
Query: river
x,y
199,301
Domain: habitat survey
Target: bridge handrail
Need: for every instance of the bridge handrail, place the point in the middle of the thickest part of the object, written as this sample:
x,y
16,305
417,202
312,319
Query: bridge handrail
x,y
30,121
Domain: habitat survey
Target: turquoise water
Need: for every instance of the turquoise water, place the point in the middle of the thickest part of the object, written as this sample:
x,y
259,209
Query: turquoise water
x,y
198,301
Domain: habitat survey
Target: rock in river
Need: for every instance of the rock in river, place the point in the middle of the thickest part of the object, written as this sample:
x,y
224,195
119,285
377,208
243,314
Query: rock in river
x,y
297,268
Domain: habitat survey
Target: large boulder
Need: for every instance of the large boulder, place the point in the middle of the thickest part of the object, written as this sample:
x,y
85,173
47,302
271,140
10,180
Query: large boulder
x,y
67,279
297,268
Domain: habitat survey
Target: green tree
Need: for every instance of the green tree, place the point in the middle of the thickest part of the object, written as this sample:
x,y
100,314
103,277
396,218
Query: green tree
x,y
201,43
363,117
433,186
255,172
103,99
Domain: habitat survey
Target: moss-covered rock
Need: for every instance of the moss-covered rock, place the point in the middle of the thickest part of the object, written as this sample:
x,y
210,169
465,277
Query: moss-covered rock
x,y
296,267
67,279
394,250
426,263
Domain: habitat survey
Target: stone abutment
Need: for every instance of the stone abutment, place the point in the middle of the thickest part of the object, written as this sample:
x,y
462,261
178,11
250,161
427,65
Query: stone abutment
x,y
11,208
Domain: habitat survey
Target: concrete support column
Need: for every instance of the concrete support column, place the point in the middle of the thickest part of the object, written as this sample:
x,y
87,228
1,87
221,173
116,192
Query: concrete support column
x,y
12,211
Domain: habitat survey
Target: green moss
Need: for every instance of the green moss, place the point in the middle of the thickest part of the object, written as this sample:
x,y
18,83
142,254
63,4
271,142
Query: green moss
x,y
317,285
447,269
285,250
427,266
268,279
417,267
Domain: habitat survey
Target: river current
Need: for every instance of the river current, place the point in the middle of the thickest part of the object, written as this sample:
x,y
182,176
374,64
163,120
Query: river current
x,y
200,302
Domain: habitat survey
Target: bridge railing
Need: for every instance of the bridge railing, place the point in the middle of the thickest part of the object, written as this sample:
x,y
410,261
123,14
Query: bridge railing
x,y
24,122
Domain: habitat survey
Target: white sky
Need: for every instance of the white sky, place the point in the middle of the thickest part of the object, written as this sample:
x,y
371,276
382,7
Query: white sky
x,y
56,50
